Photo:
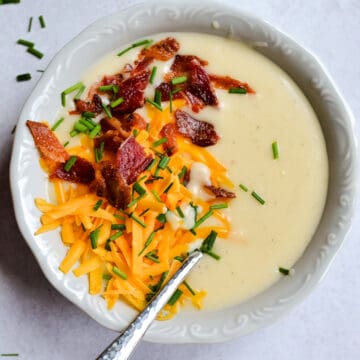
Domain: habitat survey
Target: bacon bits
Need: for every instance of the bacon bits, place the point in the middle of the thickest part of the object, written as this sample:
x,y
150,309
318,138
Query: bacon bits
x,y
134,120
182,65
46,142
220,192
226,83
81,172
169,131
131,160
200,132
112,140
90,106
162,50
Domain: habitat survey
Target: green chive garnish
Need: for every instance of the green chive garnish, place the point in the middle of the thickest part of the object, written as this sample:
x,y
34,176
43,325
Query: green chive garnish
x,y
144,212
139,189
69,164
23,77
80,92
160,142
69,91
116,235
88,114
157,97
218,206
94,236
163,163
175,297
178,80
153,74
179,258
275,149
73,133
80,127
151,165
113,88
119,272
57,124
161,218
176,91
136,219
97,205
209,241
135,132
14,2
147,242
117,102
107,277
35,52
99,152
66,143
170,102
182,173
189,288
153,257
237,90
156,196
106,110
42,22
87,123
258,198
213,255
134,45
180,212
30,24
168,188
118,226
284,271
202,219
95,131
243,187
25,43
153,103
132,203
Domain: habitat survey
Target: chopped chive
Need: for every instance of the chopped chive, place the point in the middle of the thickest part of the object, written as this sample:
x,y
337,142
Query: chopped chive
x,y
151,165
99,152
170,102
73,133
169,169
168,188
70,163
94,236
178,80
243,187
148,242
86,123
153,103
163,163
153,74
106,110
25,43
107,245
189,288
106,276
180,212
132,203
161,218
42,22
203,218
113,88
153,257
182,173
175,297
156,196
118,226
95,131
80,127
136,219
119,272
213,255
218,206
193,232
116,235
66,143
144,212
175,91
275,149
57,124
258,198
155,288
23,77
139,189
239,90
284,271
97,205
157,97
14,2
88,114
119,217
135,132
134,45
30,24
209,242
179,258
160,142
195,207
69,91
117,102
124,51
35,52
80,92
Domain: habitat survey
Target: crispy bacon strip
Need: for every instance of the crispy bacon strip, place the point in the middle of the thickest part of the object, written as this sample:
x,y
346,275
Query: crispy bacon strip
x,y
112,140
91,106
181,66
134,120
226,82
200,132
220,192
163,50
46,142
165,89
81,172
131,160
169,131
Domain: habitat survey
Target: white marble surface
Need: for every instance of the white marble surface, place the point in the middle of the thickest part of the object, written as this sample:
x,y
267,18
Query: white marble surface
x,y
39,324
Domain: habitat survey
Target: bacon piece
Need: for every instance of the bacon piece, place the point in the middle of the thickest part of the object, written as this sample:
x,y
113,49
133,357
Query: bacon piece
x,y
226,82
46,142
169,131
81,172
163,50
200,85
110,124
220,192
112,79
91,106
141,65
132,91
182,66
112,140
200,132
134,120
196,103
165,89
131,160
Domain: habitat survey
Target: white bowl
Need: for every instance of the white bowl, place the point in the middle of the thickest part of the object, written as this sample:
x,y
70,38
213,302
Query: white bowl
x,y
29,181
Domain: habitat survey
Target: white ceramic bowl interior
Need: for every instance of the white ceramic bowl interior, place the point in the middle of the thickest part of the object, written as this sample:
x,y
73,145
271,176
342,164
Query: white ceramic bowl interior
x,y
29,181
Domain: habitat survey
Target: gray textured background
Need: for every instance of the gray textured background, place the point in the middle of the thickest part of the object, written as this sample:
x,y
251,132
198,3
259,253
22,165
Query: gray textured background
x,y
39,324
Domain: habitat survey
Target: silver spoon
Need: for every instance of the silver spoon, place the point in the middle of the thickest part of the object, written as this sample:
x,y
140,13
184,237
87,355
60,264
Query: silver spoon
x,y
122,347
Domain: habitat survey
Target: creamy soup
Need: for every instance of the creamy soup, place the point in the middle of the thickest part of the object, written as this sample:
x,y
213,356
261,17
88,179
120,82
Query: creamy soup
x,y
263,237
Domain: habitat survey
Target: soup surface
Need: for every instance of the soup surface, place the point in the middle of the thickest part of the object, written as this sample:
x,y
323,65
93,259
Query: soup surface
x,y
263,237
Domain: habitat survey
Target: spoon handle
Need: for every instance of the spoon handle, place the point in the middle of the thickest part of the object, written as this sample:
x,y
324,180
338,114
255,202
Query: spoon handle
x,y
122,347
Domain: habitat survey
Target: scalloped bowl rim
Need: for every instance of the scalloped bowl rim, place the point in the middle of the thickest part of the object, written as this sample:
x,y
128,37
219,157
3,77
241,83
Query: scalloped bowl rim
x,y
268,306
